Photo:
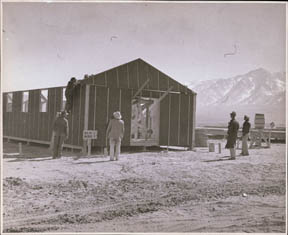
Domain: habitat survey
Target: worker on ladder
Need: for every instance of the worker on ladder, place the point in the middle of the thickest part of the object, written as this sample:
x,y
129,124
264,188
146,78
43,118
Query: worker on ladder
x,y
72,84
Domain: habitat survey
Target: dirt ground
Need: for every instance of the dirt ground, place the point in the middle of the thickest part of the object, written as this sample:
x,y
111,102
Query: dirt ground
x,y
178,191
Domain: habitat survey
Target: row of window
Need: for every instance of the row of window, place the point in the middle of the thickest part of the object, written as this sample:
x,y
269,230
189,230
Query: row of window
x,y
43,105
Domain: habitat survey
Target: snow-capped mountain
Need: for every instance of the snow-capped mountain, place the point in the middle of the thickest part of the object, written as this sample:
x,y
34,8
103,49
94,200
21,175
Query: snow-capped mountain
x,y
257,91
258,87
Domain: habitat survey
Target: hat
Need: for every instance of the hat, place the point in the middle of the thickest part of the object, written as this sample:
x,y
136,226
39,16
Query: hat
x,y
246,117
233,113
117,115
63,114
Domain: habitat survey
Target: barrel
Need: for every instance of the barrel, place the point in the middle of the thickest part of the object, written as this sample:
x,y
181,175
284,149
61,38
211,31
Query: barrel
x,y
201,138
259,121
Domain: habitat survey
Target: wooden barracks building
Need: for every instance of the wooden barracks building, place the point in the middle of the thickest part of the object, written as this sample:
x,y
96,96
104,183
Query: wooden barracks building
x,y
156,109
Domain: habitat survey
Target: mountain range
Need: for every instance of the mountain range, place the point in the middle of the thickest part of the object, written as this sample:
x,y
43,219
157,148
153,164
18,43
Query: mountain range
x,y
258,91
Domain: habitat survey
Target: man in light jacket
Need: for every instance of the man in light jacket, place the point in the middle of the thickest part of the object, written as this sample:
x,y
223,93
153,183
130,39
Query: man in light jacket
x,y
115,133
245,135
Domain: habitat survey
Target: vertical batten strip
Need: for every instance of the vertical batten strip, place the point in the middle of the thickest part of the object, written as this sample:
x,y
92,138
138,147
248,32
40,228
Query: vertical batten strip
x,y
120,100
169,109
107,114
179,119
79,117
94,118
105,76
86,114
117,75
193,121
128,76
188,139
138,83
158,74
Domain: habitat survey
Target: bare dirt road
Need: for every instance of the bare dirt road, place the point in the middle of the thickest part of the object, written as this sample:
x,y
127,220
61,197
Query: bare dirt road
x,y
181,191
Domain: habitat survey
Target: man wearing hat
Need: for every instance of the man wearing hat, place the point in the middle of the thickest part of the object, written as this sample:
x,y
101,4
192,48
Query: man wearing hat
x,y
115,133
245,135
233,128
61,132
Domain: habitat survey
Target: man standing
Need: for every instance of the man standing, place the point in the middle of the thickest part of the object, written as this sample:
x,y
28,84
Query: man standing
x,y
61,132
115,133
245,135
233,127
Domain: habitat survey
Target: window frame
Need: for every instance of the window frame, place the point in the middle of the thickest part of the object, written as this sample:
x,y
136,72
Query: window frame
x,y
9,108
23,110
41,104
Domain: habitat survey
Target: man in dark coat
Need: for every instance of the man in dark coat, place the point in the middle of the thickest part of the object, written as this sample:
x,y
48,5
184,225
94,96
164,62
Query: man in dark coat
x,y
245,135
72,84
233,128
61,132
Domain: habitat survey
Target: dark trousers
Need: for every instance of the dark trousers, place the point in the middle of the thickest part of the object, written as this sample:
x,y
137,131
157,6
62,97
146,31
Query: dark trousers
x,y
57,147
68,105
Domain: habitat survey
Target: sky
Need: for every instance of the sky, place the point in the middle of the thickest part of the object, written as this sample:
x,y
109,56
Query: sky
x,y
45,44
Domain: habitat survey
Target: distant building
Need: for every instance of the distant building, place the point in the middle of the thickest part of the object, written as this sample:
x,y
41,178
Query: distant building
x,y
156,109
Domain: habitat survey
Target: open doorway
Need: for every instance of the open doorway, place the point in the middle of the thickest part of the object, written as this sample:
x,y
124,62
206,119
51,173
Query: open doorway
x,y
145,120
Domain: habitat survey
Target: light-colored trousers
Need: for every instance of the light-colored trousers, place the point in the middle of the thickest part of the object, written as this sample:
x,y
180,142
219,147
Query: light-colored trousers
x,y
115,147
245,144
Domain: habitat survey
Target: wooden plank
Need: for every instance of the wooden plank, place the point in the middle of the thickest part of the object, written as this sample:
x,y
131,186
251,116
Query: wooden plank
x,y
76,116
111,78
123,76
141,88
169,121
4,113
164,121
179,119
153,75
193,120
4,103
82,114
143,74
41,142
101,114
37,113
133,75
51,110
145,94
173,83
99,79
126,96
155,94
189,120
114,104
163,82
184,119
92,109
94,117
137,75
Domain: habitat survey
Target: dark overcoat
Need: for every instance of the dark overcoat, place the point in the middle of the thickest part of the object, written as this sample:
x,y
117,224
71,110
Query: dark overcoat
x,y
233,128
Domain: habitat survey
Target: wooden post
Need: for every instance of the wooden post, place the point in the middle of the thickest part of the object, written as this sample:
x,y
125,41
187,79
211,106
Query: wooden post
x,y
219,147
89,147
20,149
211,147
